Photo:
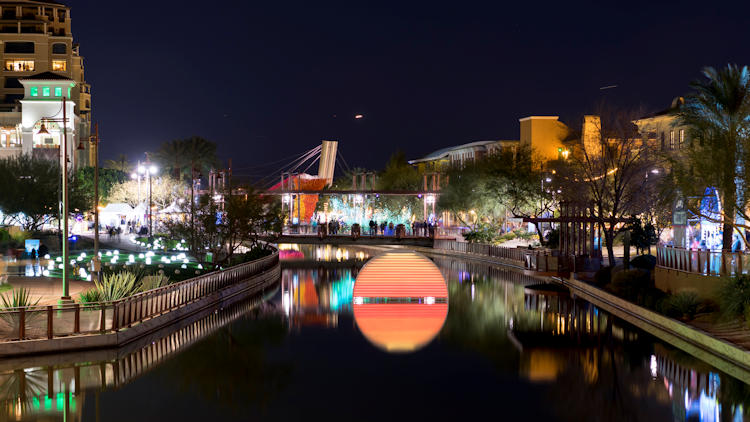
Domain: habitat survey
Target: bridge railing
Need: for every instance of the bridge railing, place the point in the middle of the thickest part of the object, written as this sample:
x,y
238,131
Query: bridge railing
x,y
47,322
703,262
537,260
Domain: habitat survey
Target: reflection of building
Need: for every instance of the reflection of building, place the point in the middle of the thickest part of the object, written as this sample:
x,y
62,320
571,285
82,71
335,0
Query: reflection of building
x,y
41,65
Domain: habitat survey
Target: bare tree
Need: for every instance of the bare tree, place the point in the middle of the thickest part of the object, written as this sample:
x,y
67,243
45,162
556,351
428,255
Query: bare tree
x,y
611,168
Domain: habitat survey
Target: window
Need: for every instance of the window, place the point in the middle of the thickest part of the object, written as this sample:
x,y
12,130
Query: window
x,y
58,92
662,141
16,47
671,139
19,65
68,92
59,65
59,48
45,91
682,138
34,91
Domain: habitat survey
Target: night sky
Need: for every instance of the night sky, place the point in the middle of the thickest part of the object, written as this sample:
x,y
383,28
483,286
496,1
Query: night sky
x,y
265,80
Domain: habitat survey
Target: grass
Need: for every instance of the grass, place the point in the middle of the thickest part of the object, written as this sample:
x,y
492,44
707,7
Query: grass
x,y
5,287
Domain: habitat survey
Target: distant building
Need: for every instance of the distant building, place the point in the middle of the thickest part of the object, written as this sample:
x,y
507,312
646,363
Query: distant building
x,y
41,65
664,127
544,135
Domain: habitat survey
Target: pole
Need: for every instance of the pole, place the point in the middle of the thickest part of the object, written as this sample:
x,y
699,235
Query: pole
x,y
150,199
96,264
192,206
65,292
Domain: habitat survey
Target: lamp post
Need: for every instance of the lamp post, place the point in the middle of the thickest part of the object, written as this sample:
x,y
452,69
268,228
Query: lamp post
x,y
149,170
95,263
64,212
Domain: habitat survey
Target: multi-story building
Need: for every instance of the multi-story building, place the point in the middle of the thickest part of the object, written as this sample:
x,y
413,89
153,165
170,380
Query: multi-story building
x,y
39,58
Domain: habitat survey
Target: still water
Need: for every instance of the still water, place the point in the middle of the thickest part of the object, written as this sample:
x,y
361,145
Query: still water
x,y
313,349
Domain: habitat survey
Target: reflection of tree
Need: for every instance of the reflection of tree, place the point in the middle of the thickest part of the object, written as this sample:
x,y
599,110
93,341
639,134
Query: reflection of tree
x,y
232,367
481,325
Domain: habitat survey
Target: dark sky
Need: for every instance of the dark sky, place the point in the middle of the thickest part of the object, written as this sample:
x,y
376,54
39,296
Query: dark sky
x,y
264,79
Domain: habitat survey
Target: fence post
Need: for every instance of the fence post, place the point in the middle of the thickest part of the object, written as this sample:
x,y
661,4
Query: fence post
x,y
77,319
49,321
115,317
102,322
738,260
21,323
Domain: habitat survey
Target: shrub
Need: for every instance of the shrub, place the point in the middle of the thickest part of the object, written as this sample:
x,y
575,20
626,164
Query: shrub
x,y
734,296
19,298
683,305
117,286
90,296
155,281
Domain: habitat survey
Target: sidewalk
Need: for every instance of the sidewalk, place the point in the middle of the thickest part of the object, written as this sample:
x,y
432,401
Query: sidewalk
x,y
49,290
122,242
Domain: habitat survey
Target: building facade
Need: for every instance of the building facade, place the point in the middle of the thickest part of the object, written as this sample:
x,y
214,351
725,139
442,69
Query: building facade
x,y
40,60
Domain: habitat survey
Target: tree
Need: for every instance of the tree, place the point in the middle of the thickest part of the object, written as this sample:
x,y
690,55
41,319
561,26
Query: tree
x,y
471,195
82,189
30,188
164,191
610,169
221,230
121,164
180,157
718,115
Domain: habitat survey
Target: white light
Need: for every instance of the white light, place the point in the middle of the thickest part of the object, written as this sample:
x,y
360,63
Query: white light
x,y
46,256
548,179
429,300
200,266
183,266
655,171
59,266
116,252
185,261
45,273
653,366
83,254
131,258
141,169
79,259
72,262
109,253
141,256
359,300
88,277
153,169
148,261
58,259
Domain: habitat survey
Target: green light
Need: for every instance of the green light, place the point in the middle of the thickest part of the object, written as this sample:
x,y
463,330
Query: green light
x,y
35,403
48,403
559,150
68,92
60,402
72,402
58,92
45,91
34,91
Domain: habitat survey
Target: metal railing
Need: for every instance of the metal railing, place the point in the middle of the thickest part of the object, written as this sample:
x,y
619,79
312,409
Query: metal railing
x,y
47,322
538,260
703,262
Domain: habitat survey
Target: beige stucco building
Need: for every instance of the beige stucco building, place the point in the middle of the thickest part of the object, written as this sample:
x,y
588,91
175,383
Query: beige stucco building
x,y
38,56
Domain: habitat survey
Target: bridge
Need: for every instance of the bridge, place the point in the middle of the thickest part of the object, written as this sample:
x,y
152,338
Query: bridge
x,y
343,239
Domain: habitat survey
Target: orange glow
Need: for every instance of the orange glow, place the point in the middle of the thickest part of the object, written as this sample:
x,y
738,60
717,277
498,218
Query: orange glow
x,y
400,327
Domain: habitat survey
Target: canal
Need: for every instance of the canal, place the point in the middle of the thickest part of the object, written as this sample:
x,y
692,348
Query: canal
x,y
500,346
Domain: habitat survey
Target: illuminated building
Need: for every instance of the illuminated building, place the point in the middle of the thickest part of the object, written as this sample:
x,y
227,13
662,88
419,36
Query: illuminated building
x,y
37,43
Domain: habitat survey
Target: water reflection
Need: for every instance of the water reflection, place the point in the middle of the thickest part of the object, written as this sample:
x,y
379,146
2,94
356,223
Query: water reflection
x,y
524,348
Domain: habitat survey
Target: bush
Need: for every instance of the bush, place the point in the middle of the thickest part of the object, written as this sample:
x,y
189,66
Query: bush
x,y
117,286
734,297
19,298
89,296
683,305
645,262
151,282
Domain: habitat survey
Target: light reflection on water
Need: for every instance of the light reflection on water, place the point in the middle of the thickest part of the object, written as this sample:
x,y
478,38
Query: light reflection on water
x,y
580,363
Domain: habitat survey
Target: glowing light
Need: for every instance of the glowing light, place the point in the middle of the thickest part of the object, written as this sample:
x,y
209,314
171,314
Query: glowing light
x,y
385,308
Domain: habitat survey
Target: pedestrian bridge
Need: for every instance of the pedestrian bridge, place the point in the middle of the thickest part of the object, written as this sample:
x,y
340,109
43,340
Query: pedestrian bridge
x,y
346,239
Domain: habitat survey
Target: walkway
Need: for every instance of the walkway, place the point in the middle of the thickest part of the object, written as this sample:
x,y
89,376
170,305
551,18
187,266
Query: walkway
x,y
49,290
340,239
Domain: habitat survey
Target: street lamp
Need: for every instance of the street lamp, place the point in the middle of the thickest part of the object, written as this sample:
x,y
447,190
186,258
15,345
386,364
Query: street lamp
x,y
64,212
149,171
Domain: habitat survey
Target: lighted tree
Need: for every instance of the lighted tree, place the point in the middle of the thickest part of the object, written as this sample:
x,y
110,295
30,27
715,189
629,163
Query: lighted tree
x,y
610,170
164,191
181,157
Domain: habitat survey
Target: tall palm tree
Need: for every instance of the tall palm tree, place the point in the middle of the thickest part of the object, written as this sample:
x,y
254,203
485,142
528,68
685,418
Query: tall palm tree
x,y
121,163
180,156
718,113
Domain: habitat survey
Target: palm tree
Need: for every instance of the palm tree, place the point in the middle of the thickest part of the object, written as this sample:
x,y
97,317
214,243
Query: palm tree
x,y
718,113
121,163
180,156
